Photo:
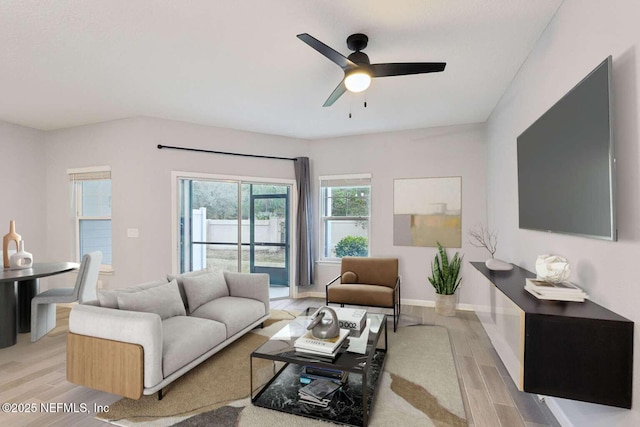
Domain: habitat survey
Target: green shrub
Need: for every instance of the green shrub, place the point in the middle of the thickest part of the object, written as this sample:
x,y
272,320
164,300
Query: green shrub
x,y
352,246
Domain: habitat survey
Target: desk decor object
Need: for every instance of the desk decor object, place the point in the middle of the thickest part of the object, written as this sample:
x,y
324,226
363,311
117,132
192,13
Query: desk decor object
x,y
552,268
481,237
560,291
354,319
12,236
325,324
21,259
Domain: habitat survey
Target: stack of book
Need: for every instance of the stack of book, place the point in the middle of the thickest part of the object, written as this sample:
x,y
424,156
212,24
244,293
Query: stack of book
x,y
319,392
563,291
309,346
312,373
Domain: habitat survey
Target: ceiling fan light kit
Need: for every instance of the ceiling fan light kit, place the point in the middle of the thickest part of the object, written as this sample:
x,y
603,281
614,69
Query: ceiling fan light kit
x,y
358,70
357,80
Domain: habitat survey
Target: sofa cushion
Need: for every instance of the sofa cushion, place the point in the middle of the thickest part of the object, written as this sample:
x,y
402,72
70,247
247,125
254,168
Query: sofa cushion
x,y
236,313
204,288
164,300
373,295
349,277
180,277
185,338
109,298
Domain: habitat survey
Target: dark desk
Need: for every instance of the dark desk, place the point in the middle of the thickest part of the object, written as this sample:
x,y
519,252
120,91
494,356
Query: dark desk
x,y
573,350
17,288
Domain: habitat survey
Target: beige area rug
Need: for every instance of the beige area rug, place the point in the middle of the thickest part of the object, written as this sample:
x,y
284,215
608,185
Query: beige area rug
x,y
418,387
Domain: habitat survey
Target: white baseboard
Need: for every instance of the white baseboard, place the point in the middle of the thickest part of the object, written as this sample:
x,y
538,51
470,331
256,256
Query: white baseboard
x,y
557,412
403,301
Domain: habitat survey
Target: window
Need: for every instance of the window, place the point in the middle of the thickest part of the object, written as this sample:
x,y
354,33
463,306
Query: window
x,y
91,196
345,208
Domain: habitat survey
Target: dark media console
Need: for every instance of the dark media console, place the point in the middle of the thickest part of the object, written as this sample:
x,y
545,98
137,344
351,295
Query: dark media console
x,y
573,350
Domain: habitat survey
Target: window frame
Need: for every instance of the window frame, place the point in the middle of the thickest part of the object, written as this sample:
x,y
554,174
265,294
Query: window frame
x,y
177,176
76,176
324,219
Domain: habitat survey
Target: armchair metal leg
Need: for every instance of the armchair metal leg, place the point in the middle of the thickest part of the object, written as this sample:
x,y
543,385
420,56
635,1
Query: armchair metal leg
x,y
160,394
395,322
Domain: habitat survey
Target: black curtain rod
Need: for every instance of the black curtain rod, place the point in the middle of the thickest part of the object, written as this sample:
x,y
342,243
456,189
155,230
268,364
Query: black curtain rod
x,y
199,150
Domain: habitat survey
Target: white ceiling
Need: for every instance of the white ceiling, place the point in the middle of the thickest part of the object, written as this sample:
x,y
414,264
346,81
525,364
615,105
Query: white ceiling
x,y
238,64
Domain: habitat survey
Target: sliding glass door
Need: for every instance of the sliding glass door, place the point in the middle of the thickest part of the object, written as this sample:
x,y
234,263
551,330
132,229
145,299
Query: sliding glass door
x,y
269,235
234,225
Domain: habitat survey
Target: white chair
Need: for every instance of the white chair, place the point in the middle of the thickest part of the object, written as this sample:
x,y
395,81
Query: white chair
x,y
43,305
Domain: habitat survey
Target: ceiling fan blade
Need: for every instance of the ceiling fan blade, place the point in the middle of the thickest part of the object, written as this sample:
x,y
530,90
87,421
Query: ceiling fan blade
x,y
404,68
342,61
337,93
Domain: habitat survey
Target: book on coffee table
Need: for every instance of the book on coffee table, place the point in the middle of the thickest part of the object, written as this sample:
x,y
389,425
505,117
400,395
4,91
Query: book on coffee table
x,y
318,392
308,342
321,355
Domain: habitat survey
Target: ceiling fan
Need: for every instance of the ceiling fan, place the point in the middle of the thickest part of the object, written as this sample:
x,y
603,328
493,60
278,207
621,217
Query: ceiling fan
x,y
358,70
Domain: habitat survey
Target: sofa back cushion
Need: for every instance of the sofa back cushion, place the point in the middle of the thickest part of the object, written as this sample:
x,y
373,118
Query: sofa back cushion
x,y
371,271
109,298
203,288
180,277
164,300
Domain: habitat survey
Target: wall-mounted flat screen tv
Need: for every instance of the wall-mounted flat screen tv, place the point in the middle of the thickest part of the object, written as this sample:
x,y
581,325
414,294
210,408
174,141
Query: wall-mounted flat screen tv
x,y
566,163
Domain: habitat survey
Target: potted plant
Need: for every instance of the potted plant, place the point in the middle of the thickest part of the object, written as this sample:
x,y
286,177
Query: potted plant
x,y
445,278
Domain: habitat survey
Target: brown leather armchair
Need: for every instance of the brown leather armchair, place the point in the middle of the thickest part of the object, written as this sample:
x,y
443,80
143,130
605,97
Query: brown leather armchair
x,y
372,282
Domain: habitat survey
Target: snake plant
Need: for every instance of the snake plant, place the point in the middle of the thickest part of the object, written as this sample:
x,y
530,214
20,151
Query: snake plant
x,y
445,275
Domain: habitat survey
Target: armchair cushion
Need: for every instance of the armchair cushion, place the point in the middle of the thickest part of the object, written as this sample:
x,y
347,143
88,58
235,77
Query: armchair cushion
x,y
372,271
372,295
164,300
349,277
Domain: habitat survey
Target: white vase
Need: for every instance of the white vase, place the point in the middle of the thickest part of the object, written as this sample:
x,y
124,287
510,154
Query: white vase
x,y
21,259
498,265
446,305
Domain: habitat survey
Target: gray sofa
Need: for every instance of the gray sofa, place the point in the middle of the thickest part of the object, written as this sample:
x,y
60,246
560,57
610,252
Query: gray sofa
x,y
137,340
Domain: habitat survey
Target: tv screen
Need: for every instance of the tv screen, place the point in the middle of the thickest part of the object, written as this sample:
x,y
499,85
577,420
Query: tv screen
x,y
566,177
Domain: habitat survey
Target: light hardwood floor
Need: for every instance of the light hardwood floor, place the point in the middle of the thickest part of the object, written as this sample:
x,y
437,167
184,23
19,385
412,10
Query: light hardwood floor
x,y
34,373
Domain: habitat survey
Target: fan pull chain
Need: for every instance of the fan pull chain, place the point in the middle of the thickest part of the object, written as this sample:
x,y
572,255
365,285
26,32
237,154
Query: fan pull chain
x,y
365,101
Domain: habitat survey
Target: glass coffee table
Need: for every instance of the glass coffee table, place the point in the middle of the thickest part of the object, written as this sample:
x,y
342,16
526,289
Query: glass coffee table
x,y
351,404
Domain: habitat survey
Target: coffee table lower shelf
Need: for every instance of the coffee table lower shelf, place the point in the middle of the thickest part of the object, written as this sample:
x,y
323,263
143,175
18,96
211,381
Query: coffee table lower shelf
x,y
346,407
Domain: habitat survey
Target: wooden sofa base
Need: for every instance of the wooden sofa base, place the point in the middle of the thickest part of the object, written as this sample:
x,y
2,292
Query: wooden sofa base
x,y
111,366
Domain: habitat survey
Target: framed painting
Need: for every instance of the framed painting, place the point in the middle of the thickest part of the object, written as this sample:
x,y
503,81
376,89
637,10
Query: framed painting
x,y
427,211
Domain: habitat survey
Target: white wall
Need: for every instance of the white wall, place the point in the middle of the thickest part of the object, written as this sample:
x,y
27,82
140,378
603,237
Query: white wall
x,y
436,152
580,36
22,178
141,182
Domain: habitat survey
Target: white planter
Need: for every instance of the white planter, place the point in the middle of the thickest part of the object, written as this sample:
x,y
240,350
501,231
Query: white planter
x,y
446,305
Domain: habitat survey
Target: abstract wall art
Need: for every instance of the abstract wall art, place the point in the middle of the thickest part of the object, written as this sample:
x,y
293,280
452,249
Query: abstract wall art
x,y
427,211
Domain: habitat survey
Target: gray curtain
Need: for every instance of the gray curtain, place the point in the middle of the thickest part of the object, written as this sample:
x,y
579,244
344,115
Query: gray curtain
x,y
304,229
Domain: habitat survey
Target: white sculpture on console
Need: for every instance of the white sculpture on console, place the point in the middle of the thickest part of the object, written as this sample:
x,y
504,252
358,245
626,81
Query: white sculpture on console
x,y
21,259
481,237
552,268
